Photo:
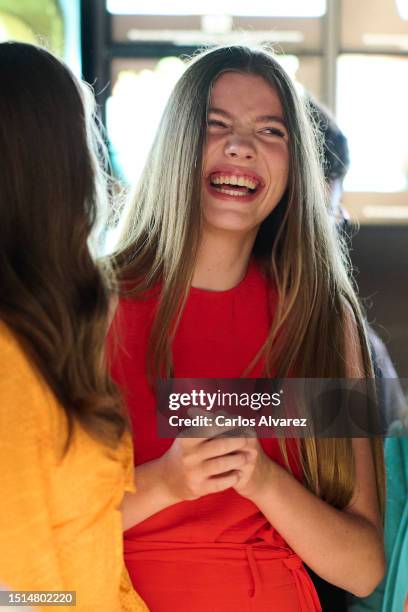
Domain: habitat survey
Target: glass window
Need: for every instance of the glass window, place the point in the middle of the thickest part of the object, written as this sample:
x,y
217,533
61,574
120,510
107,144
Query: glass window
x,y
308,74
14,28
272,8
372,25
140,91
290,34
402,6
34,22
52,23
372,111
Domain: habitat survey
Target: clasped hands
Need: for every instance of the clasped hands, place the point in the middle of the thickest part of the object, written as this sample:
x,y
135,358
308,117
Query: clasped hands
x,y
213,462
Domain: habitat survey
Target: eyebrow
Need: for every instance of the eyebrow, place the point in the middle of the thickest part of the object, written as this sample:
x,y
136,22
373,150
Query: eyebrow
x,y
261,118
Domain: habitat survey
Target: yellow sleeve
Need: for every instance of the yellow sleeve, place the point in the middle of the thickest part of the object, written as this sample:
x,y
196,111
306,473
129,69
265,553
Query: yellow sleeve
x,y
28,559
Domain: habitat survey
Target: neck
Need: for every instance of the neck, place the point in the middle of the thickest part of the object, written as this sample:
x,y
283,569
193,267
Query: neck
x,y
222,259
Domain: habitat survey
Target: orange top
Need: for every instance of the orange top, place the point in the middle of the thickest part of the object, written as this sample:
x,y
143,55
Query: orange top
x,y
60,523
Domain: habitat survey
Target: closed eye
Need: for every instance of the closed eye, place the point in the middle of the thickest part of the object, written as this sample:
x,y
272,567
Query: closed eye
x,y
216,123
273,131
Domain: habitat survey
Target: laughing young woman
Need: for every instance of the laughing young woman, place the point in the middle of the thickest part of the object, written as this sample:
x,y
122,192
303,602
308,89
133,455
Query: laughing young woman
x,y
230,268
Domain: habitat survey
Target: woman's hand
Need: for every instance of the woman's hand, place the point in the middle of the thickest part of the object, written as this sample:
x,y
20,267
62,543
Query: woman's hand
x,y
193,467
256,472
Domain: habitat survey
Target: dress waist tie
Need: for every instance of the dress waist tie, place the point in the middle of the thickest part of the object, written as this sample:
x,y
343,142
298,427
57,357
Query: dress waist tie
x,y
307,593
138,551
254,571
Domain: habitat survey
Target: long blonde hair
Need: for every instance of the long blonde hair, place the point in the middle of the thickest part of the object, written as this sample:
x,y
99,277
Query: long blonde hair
x,y
296,244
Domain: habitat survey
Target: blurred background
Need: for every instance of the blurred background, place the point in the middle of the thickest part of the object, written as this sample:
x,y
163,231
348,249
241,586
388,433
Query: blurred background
x,y
352,56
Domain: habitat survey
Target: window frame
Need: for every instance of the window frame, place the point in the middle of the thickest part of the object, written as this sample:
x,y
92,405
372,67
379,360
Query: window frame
x,y
100,49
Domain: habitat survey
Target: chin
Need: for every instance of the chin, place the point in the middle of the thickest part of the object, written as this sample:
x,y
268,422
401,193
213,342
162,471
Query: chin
x,y
228,222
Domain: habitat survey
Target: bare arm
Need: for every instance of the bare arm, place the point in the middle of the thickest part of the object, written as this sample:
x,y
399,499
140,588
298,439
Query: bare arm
x,y
191,468
151,495
343,547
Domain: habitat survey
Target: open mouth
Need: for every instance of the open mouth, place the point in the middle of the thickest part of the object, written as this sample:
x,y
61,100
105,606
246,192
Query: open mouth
x,y
232,185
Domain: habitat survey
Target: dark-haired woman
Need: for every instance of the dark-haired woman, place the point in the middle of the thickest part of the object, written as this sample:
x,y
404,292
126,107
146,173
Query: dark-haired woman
x,y
65,456
231,269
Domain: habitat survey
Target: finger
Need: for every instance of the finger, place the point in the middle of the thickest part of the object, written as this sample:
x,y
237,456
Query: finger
x,y
219,446
224,464
220,483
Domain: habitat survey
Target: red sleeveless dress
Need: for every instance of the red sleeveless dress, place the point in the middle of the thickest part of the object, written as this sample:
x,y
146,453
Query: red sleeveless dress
x,y
217,553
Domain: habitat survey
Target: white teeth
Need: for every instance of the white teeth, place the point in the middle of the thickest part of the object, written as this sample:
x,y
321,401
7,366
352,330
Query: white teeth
x,y
241,181
231,192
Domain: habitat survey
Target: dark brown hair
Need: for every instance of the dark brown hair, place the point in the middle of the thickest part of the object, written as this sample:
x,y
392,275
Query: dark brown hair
x,y
53,295
335,150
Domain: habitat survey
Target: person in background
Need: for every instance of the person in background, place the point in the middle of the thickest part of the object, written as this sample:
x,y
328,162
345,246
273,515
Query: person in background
x,y
336,161
229,268
65,450
391,594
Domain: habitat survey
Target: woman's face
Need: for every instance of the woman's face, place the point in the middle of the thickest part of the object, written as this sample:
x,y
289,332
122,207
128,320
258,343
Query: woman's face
x,y
246,158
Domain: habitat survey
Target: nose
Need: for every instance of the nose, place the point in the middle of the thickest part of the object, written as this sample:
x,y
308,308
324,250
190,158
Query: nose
x,y
239,147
